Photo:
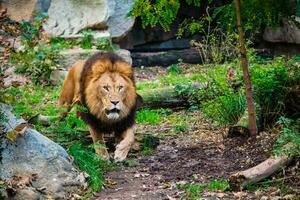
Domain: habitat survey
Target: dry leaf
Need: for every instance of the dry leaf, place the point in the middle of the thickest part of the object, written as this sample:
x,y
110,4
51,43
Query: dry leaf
x,y
110,182
17,132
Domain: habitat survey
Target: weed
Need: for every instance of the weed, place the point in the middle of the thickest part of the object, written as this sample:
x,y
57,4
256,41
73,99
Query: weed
x,y
92,163
289,142
151,116
86,41
218,185
225,109
193,190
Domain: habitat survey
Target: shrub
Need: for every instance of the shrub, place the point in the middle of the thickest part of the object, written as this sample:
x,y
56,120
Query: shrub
x,y
269,89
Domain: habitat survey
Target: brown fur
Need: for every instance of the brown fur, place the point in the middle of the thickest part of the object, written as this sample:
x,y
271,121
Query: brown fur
x,y
86,81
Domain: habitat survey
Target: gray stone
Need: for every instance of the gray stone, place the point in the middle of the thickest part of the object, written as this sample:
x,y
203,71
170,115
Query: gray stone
x,y
33,153
19,10
119,24
57,76
68,17
288,33
70,56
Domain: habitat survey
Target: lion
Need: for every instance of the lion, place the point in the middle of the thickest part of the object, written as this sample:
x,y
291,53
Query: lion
x,y
104,84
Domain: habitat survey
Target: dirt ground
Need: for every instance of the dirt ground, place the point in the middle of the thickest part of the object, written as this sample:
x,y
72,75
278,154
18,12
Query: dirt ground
x,y
197,156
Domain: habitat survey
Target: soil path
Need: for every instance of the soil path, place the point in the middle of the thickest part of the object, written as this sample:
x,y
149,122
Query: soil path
x,y
199,156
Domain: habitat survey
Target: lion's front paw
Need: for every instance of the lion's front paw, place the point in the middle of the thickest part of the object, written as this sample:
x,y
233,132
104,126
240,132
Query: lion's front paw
x,y
103,153
121,153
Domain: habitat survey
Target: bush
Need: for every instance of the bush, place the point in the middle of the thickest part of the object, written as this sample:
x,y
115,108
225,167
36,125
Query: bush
x,y
269,89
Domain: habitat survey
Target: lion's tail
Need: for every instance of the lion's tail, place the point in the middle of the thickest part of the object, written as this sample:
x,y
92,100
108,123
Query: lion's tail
x,y
70,88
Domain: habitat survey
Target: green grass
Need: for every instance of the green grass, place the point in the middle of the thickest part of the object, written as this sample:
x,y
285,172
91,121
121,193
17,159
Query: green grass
x,y
193,190
152,117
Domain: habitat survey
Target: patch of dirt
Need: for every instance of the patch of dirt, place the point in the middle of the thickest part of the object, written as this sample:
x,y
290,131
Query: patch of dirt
x,y
199,156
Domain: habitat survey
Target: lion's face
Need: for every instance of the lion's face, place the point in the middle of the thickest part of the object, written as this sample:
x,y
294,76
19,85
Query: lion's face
x,y
111,96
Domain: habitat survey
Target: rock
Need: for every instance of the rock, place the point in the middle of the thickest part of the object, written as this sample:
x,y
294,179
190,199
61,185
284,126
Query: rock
x,y
73,55
288,33
57,76
68,17
165,58
19,10
33,154
13,79
119,24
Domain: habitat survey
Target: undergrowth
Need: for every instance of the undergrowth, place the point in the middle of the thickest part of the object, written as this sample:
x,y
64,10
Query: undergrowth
x,y
193,190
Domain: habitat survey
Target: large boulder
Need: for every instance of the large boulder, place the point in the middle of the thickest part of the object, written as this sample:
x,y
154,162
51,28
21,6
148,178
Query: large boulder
x,y
119,24
288,33
19,10
35,166
70,56
68,17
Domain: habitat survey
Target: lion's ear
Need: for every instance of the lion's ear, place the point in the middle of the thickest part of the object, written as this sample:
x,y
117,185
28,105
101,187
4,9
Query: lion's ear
x,y
100,67
125,69
139,101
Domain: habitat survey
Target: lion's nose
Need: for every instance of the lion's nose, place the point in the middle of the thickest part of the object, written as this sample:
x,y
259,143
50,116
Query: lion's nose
x,y
115,102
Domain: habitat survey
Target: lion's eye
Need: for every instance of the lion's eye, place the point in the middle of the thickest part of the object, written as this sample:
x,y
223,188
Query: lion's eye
x,y
105,88
120,88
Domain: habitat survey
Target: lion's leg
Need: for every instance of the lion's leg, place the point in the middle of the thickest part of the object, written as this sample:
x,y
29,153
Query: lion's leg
x,y
98,138
123,147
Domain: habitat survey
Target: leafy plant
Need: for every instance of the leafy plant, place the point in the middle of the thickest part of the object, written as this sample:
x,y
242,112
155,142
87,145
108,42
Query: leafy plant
x,y
87,160
225,109
38,62
86,41
193,190
105,44
289,142
150,116
269,83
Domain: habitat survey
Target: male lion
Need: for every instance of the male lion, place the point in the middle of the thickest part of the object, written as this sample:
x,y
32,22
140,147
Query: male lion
x,y
104,84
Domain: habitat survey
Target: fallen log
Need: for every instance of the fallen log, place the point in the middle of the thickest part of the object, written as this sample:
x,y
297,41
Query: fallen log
x,y
239,180
168,97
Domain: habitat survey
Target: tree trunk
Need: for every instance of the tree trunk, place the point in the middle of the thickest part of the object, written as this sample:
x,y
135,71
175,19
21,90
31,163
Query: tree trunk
x,y
241,179
241,128
250,104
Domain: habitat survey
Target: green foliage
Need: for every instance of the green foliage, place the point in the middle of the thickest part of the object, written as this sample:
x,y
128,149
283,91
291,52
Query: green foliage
x,y
162,12
225,109
289,142
151,116
86,41
105,44
30,31
37,59
193,190
87,160
255,14
269,88
149,144
174,69
218,185
38,62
